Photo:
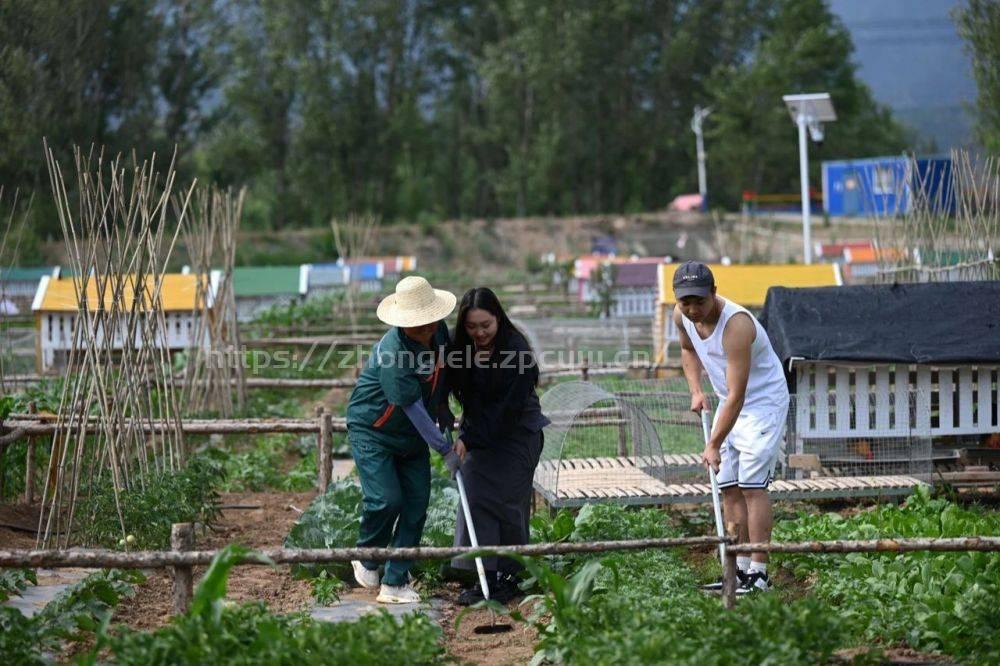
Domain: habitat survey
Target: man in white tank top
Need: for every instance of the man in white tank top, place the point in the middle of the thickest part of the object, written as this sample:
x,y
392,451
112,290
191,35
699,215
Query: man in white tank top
x,y
729,344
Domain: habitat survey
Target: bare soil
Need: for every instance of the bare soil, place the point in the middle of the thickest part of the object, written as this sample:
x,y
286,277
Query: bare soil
x,y
464,644
18,523
260,527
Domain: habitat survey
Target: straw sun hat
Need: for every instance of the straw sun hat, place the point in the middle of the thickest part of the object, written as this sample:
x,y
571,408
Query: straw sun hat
x,y
415,303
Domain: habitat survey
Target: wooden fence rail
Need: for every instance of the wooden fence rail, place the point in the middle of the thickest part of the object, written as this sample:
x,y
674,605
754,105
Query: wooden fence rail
x,y
182,558
549,373
250,382
323,426
49,426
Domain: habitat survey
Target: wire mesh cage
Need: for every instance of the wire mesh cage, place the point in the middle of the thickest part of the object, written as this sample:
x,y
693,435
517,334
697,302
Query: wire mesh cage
x,y
637,442
621,440
877,435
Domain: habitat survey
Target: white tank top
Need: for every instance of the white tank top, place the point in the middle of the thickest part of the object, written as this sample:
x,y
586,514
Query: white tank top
x,y
766,386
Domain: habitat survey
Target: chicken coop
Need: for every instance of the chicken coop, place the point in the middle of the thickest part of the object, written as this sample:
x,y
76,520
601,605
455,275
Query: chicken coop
x,y
882,372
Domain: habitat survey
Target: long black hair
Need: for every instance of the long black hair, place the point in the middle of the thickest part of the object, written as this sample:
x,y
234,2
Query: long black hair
x,y
462,350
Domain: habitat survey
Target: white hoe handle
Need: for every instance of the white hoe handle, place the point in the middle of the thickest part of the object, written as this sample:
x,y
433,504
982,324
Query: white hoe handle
x,y
706,429
472,533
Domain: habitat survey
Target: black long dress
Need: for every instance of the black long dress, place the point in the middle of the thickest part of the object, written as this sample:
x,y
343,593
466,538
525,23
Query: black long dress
x,y
501,427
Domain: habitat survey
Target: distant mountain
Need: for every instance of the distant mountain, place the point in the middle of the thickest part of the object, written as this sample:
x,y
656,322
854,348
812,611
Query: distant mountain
x,y
910,54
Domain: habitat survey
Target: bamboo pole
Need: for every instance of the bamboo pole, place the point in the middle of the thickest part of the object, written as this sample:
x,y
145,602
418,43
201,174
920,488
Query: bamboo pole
x,y
29,463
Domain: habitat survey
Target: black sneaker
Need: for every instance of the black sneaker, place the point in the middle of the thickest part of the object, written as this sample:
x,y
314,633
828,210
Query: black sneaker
x,y
471,595
741,577
506,589
756,581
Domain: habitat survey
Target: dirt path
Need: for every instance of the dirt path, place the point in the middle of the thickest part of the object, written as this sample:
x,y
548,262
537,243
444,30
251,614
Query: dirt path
x,y
268,525
513,647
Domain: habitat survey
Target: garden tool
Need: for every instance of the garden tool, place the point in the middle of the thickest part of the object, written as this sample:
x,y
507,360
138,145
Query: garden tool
x,y
493,627
706,429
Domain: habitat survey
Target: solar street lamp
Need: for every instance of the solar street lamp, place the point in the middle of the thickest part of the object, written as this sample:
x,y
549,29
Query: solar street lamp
x,y
808,112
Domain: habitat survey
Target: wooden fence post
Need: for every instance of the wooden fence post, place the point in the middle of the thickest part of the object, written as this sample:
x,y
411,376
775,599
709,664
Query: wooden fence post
x,y
29,466
729,570
181,539
324,445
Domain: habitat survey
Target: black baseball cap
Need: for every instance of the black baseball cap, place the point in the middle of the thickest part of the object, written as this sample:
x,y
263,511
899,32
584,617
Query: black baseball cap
x,y
693,278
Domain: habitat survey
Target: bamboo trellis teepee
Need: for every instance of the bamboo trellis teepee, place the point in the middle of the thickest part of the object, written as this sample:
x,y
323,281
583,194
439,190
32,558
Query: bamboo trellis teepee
x,y
119,414
215,368
354,238
950,232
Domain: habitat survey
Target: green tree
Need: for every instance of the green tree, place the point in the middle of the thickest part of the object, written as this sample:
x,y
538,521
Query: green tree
x,y
979,25
72,72
750,139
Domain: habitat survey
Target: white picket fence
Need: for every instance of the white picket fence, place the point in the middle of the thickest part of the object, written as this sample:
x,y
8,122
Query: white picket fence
x,y
837,400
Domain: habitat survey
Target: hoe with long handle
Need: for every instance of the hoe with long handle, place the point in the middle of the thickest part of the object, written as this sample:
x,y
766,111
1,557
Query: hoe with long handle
x,y
472,533
706,430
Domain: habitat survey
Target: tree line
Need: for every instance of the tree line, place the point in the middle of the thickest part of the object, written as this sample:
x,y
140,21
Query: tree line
x,y
420,110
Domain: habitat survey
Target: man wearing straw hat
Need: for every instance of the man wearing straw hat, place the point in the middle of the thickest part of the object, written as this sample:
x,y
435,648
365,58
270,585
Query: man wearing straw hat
x,y
732,347
389,428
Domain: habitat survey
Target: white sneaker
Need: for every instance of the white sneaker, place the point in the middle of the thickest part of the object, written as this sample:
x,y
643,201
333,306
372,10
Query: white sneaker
x,y
365,577
403,594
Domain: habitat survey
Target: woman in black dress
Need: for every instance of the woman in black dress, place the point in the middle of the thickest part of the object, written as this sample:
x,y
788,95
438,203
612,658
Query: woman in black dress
x,y
492,373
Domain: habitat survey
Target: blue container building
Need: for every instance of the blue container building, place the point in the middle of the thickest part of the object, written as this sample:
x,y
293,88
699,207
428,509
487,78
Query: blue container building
x,y
885,186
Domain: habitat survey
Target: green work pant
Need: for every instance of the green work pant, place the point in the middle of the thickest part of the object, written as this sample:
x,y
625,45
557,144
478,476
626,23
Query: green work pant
x,y
397,489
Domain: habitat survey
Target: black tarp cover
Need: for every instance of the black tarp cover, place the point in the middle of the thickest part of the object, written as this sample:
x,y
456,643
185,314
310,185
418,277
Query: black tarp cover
x,y
947,322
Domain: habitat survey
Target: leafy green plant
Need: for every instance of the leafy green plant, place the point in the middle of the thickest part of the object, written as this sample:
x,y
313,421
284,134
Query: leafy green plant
x,y
15,581
333,519
932,601
80,609
72,616
188,495
22,639
214,631
549,528
599,615
326,588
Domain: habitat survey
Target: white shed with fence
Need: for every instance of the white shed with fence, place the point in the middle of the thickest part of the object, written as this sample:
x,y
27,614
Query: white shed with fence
x,y
874,367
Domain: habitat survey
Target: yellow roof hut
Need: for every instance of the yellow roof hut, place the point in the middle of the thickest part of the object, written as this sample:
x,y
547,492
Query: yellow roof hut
x,y
59,301
744,284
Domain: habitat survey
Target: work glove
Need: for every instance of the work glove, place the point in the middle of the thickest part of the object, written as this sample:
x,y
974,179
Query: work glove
x,y
452,462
